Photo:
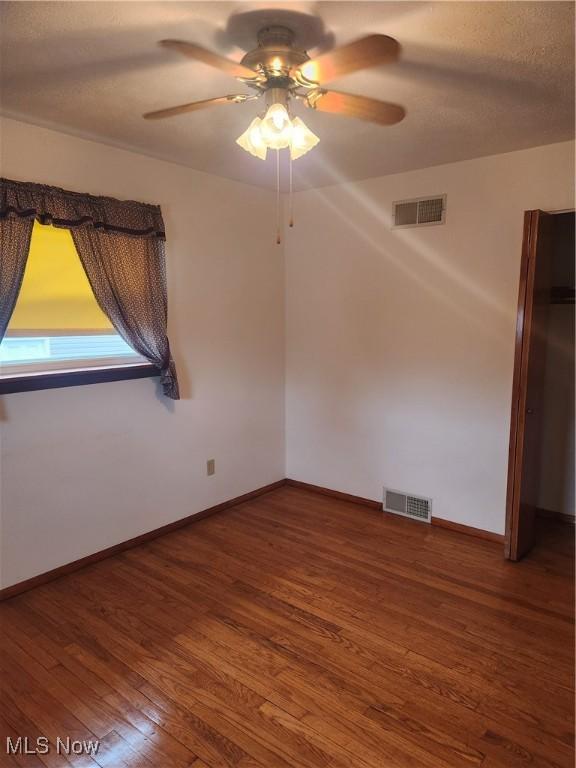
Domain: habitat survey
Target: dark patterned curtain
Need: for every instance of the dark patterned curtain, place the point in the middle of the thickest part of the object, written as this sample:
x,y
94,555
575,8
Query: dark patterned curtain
x,y
120,244
15,237
52,205
128,278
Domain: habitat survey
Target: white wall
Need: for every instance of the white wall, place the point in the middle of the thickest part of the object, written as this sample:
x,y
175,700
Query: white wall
x,y
400,342
87,467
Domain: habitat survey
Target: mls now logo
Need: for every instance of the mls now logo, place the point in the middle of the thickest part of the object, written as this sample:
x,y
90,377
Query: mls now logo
x,y
23,745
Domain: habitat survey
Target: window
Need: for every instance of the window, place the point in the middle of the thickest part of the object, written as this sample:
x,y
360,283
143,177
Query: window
x,y
57,324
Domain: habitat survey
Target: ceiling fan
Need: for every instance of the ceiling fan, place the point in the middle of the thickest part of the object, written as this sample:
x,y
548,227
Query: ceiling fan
x,y
279,72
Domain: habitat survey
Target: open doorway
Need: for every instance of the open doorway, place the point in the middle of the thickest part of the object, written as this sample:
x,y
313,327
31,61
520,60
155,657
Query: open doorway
x,y
541,454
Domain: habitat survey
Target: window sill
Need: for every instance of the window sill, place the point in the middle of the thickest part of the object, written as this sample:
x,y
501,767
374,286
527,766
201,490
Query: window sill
x,y
55,379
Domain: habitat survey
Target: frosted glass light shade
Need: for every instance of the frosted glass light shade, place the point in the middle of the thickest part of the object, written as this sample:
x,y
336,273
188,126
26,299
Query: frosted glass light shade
x,y
251,140
302,140
277,131
276,127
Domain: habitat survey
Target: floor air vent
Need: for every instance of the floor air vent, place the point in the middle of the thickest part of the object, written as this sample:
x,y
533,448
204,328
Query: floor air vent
x,y
416,507
420,212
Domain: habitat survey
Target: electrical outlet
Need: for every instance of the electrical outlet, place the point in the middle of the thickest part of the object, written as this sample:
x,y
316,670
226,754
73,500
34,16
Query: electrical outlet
x,y
211,467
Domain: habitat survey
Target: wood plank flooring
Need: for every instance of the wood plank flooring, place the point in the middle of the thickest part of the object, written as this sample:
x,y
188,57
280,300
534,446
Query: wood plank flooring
x,y
298,630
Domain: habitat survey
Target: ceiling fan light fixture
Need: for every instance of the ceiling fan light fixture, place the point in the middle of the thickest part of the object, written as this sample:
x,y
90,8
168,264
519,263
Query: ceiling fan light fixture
x,y
251,140
278,71
277,131
303,139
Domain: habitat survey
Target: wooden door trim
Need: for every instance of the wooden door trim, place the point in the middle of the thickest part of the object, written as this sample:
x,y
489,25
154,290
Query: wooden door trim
x,y
520,381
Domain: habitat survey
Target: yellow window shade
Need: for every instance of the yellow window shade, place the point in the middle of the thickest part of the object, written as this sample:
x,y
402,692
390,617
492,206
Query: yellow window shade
x,y
55,293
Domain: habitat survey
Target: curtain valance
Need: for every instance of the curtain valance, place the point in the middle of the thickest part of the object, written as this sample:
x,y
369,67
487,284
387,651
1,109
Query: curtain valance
x,y
61,208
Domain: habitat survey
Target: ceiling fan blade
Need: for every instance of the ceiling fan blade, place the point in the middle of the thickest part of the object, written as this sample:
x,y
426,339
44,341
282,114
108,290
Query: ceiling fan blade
x,y
198,53
361,107
194,105
367,52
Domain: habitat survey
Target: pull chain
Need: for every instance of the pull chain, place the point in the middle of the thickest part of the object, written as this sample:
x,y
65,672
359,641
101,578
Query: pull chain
x,y
291,197
278,237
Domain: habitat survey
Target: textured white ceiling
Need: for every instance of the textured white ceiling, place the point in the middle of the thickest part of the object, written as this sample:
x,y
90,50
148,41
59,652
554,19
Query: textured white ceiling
x,y
475,79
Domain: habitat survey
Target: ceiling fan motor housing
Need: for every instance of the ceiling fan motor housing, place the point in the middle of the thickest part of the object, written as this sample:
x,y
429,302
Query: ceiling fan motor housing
x,y
275,57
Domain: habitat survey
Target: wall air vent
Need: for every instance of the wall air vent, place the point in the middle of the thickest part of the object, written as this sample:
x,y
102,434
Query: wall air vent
x,y
420,212
416,507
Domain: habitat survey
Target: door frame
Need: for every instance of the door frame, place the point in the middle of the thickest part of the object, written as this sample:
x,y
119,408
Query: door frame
x,y
519,387
524,318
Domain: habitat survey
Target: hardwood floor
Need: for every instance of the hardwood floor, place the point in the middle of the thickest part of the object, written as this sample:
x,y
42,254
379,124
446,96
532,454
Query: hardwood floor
x,y
298,630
